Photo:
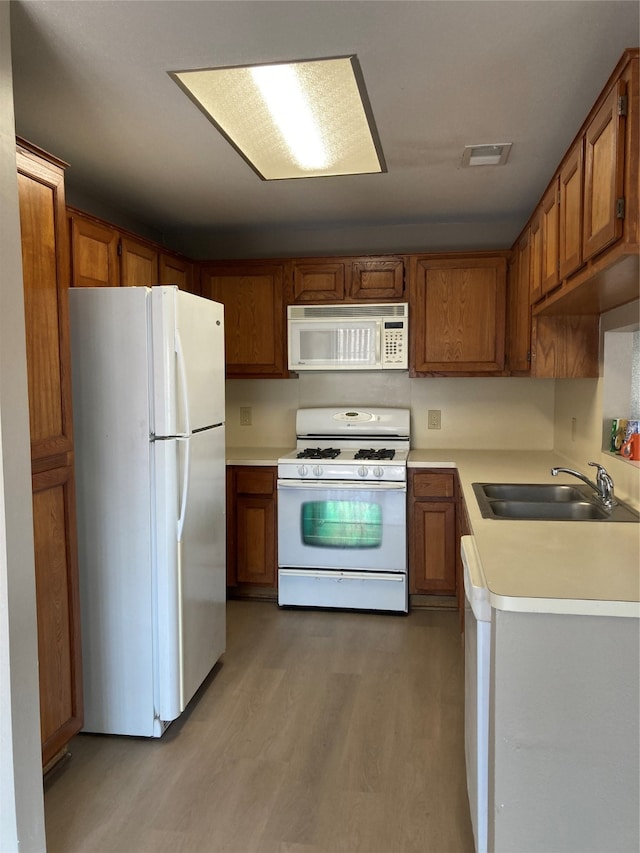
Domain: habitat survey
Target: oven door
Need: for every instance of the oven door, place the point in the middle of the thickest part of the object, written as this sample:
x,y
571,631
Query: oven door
x,y
342,526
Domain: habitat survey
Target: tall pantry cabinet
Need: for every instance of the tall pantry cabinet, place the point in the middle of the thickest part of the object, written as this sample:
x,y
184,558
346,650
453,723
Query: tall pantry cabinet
x,y
45,277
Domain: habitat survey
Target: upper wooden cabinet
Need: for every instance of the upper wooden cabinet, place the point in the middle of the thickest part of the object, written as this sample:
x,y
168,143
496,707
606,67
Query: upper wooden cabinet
x,y
318,280
549,223
570,180
45,268
138,264
253,297
519,309
361,279
597,212
94,253
457,316
176,270
604,173
105,256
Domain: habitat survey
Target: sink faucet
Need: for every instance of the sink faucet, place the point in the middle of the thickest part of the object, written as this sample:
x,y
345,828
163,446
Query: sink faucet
x,y
603,486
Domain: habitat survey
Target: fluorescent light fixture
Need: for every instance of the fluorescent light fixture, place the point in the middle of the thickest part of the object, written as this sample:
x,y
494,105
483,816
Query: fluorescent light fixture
x,y
493,154
291,120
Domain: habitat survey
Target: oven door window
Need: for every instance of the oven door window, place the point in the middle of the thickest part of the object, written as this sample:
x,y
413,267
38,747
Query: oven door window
x,y
342,524
332,526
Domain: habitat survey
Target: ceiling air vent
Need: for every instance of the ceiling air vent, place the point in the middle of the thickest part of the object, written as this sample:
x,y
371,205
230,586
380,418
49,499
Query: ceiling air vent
x,y
493,154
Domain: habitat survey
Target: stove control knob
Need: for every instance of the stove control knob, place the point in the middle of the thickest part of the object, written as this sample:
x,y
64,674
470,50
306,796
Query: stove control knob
x,y
317,470
303,470
363,471
378,471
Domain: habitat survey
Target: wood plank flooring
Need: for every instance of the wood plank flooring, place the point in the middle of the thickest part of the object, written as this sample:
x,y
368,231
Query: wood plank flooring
x,y
319,732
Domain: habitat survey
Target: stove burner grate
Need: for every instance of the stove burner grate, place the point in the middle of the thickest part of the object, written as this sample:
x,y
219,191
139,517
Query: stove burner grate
x,y
382,453
318,453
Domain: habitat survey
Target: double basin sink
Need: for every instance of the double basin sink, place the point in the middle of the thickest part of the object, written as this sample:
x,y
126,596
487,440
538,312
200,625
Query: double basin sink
x,y
547,502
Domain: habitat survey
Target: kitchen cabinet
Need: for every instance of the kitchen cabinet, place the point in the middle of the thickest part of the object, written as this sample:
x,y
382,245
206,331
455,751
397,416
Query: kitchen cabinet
x,y
253,296
519,309
549,224
535,258
458,314
570,226
95,261
138,263
177,270
603,178
251,529
559,347
374,279
599,212
432,532
45,262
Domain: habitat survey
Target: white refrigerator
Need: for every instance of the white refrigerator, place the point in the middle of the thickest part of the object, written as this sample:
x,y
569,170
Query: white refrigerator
x,y
149,411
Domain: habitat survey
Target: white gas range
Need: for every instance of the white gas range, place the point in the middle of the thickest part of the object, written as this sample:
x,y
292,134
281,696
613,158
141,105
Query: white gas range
x,y
342,510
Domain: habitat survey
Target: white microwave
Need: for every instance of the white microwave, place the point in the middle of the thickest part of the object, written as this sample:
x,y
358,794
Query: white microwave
x,y
348,337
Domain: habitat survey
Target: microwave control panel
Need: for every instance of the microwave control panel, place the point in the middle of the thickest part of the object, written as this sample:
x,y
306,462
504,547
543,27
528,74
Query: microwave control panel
x,y
393,343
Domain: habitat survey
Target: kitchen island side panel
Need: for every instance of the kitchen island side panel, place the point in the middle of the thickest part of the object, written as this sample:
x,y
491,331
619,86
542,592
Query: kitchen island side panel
x,y
565,767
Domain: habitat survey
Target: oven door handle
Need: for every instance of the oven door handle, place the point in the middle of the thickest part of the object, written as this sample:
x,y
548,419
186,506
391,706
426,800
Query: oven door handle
x,y
343,485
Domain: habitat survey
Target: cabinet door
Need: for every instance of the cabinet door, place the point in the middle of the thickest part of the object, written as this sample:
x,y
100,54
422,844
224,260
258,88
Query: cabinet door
x,y
549,222
457,315
519,309
432,558
58,609
565,347
174,270
254,533
45,256
377,278
45,277
535,258
252,295
432,532
570,231
604,175
138,264
94,254
319,281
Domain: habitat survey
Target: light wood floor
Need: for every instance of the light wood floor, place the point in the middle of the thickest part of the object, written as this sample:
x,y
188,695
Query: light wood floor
x,y
319,732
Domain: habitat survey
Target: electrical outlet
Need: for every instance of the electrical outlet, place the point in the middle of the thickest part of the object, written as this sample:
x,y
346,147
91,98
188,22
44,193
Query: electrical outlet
x,y
245,415
433,419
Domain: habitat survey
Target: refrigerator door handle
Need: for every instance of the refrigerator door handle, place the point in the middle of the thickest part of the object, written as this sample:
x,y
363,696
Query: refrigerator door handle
x,y
182,373
185,487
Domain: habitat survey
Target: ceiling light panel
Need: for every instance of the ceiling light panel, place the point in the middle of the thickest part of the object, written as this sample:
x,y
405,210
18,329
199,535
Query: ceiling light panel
x,y
291,120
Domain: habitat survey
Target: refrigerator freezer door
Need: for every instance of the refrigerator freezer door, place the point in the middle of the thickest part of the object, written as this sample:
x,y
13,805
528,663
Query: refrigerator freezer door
x,y
188,346
110,373
191,577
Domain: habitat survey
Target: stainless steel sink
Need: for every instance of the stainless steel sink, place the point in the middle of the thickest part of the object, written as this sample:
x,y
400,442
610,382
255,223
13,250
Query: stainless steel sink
x,y
550,492
547,502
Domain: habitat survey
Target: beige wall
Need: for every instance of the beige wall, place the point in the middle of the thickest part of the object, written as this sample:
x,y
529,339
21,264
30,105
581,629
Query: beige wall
x,y
505,413
582,399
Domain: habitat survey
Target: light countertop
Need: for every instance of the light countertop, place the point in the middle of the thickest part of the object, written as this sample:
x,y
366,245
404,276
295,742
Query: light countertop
x,y
588,568
570,567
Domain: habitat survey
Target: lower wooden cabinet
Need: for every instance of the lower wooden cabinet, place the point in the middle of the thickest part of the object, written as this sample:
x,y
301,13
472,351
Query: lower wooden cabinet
x,y
432,532
251,528
58,608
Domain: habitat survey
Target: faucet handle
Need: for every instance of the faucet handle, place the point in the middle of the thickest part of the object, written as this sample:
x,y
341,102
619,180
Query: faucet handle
x,y
601,468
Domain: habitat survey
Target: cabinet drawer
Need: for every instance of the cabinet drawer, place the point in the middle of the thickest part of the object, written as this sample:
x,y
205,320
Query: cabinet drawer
x,y
441,485
252,481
